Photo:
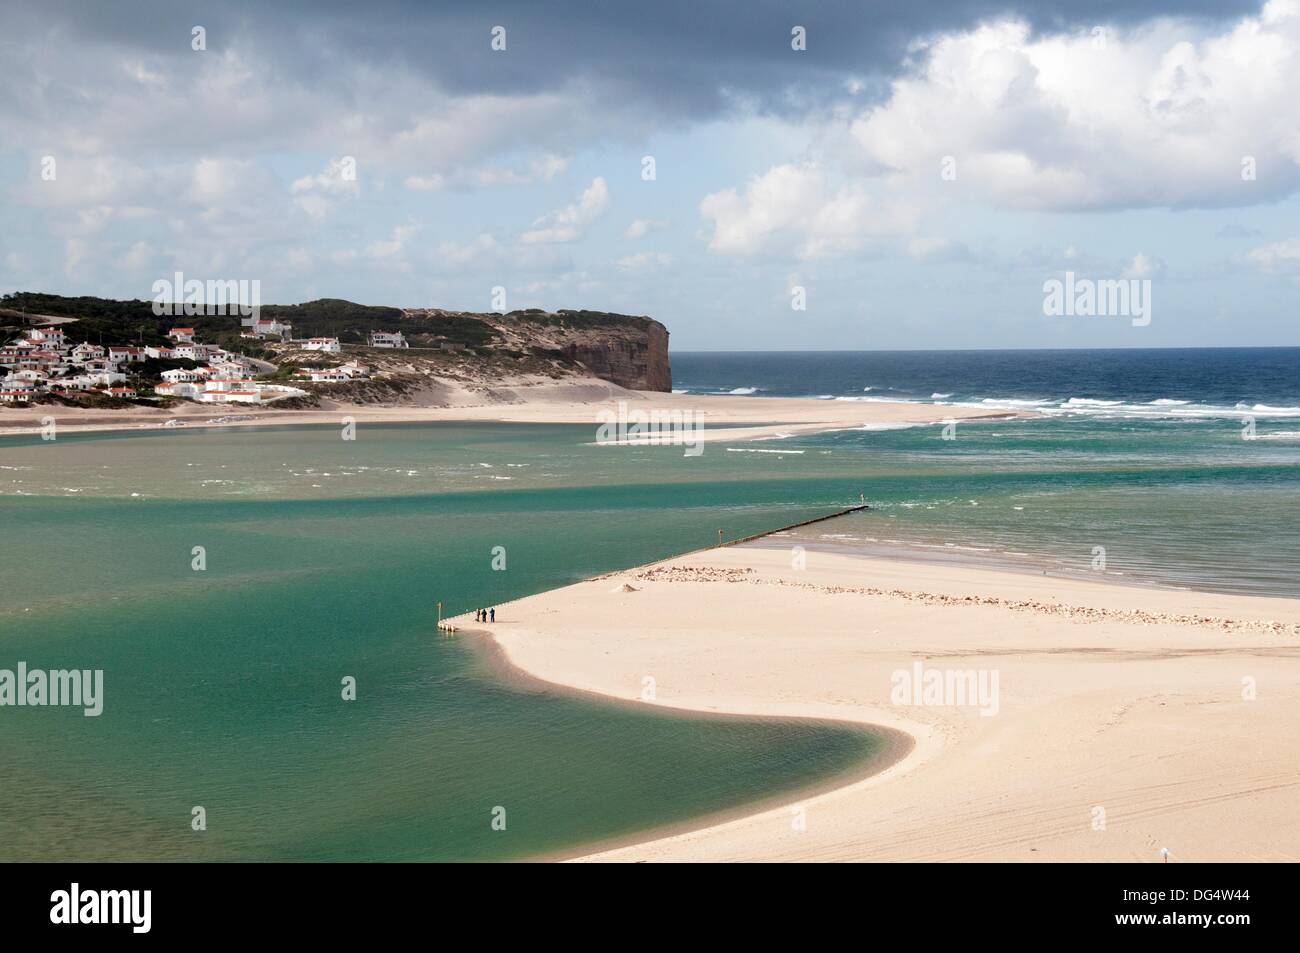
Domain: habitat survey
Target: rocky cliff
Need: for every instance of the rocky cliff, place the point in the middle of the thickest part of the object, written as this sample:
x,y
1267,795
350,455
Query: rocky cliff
x,y
637,360
628,350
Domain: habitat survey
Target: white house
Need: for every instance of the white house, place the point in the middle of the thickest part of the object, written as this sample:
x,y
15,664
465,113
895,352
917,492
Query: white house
x,y
40,359
193,352
49,337
179,374
387,339
325,375
178,389
125,354
181,335
231,369
322,344
86,352
107,378
223,383
352,370
246,392
269,327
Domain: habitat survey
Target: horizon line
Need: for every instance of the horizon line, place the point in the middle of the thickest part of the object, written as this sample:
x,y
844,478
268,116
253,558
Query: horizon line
x,y
965,350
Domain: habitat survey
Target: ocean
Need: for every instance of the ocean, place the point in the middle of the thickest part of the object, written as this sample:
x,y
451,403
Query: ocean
x,y
324,559
1179,468
1129,383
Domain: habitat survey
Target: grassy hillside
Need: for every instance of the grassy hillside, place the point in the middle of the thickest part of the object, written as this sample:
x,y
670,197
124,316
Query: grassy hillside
x,y
110,321
115,322
580,320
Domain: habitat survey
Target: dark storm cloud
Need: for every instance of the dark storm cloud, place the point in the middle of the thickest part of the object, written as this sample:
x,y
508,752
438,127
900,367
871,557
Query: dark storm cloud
x,y
678,57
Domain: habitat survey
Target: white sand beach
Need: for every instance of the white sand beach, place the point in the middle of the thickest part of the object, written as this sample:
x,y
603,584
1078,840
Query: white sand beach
x,y
721,417
1125,720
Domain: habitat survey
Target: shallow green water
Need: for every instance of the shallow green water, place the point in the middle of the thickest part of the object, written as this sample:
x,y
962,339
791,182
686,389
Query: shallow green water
x,y
223,687
1175,503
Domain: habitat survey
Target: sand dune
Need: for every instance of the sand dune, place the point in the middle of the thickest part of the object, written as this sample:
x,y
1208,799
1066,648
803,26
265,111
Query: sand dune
x,y
1124,720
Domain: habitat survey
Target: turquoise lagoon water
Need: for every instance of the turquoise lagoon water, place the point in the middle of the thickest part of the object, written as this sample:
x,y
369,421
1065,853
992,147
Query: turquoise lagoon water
x,y
222,687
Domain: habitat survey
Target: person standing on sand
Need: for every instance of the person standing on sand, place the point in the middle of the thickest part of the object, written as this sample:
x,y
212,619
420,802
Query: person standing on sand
x,y
493,612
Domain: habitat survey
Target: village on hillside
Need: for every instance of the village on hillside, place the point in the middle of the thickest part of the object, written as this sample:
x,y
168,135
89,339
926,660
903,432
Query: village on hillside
x,y
41,364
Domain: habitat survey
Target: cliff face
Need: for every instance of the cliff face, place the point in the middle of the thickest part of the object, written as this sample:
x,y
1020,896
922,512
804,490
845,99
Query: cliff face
x,y
628,350
637,361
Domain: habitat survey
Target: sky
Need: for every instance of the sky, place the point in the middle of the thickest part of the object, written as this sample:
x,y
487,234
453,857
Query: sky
x,y
756,175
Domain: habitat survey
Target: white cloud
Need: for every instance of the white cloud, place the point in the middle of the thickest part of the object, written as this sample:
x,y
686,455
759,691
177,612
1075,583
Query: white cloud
x,y
74,252
314,194
1278,258
498,259
118,119
138,256
87,180
1151,119
215,180
572,221
464,254
643,227
316,206
337,178
393,246
390,254
795,209
89,221
110,98
1144,266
